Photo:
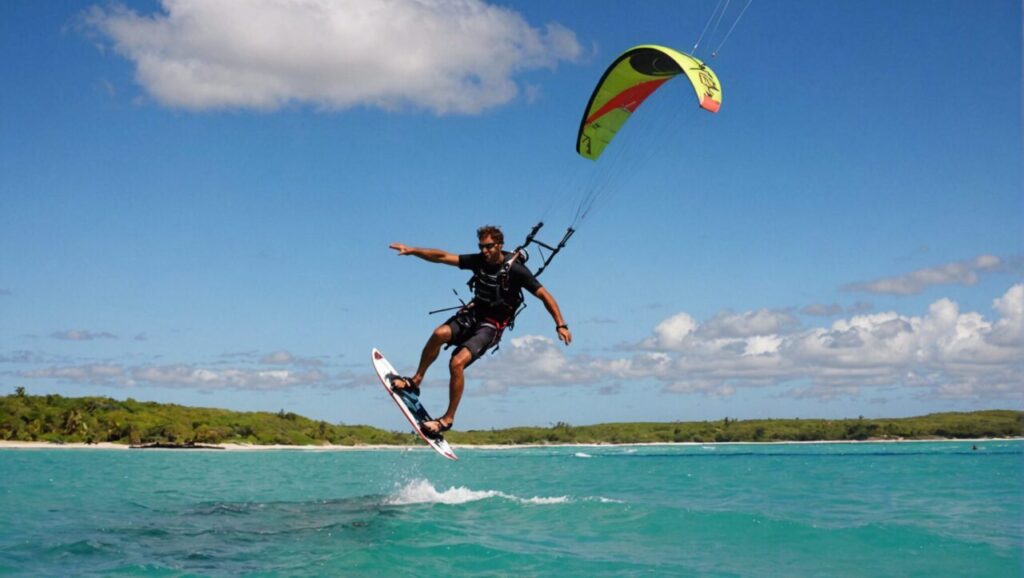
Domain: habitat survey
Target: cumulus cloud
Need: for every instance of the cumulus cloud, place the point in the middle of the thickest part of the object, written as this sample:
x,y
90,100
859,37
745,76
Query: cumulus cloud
x,y
749,324
446,56
672,332
81,335
943,353
532,360
913,283
1009,330
680,330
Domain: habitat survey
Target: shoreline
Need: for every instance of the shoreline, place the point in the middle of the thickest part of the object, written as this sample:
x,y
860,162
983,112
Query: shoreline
x,y
9,445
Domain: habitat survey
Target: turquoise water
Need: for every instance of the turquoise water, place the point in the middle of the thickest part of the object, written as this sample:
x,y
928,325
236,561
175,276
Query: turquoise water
x,y
909,509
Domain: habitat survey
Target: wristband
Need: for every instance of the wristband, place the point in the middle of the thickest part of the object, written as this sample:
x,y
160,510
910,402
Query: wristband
x,y
566,327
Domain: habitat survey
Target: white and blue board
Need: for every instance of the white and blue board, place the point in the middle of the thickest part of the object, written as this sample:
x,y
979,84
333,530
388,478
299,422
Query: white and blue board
x,y
410,405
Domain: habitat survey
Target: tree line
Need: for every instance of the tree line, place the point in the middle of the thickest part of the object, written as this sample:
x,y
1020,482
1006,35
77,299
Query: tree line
x,y
58,419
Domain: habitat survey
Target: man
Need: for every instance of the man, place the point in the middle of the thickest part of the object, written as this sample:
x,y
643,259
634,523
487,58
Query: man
x,y
497,285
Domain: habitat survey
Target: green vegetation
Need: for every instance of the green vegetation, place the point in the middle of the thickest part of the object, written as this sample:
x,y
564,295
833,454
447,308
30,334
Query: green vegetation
x,y
979,424
60,419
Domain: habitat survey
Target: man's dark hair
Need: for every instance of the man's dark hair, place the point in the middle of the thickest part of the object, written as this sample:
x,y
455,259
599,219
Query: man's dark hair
x,y
492,232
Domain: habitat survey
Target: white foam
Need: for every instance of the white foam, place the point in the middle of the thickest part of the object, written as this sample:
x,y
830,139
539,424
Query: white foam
x,y
545,501
582,455
423,492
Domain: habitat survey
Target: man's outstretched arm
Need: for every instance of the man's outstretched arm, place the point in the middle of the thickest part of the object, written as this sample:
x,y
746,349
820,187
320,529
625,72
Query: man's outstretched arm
x,y
432,255
552,306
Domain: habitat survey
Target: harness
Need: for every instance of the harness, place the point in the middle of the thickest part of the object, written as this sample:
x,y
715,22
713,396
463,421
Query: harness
x,y
467,318
494,289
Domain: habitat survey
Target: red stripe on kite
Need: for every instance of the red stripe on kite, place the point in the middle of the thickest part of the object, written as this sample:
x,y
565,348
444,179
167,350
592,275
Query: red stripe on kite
x,y
628,99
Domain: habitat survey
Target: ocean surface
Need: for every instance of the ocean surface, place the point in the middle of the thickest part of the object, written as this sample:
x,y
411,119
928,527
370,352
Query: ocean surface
x,y
871,509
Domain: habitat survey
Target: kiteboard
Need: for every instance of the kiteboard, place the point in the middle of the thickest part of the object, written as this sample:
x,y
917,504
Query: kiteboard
x,y
411,407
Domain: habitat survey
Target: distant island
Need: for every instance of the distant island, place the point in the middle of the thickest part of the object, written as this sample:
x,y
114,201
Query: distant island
x,y
58,419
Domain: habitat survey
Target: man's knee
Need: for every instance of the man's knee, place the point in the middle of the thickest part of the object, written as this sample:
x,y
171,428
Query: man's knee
x,y
443,332
441,335
460,360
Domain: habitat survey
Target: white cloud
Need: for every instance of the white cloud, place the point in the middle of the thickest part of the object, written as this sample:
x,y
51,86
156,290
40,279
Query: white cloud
x,y
959,273
243,370
943,353
672,332
751,323
447,56
1010,329
201,378
185,377
531,360
682,332
93,373
279,357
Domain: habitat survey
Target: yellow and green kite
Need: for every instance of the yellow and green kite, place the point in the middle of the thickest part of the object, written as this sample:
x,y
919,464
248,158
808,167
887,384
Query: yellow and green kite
x,y
634,76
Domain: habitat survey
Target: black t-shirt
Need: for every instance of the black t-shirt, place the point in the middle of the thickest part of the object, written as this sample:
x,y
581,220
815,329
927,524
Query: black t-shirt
x,y
519,277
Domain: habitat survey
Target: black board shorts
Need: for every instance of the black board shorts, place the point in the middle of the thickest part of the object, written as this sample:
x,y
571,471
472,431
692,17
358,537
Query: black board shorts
x,y
476,336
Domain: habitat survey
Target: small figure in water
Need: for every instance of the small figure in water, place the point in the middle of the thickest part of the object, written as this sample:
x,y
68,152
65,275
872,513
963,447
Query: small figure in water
x,y
497,284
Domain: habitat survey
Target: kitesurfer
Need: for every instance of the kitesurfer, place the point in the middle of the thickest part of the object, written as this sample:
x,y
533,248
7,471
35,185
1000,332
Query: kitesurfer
x,y
498,280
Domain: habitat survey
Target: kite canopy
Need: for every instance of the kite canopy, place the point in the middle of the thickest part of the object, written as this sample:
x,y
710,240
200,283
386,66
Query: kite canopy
x,y
634,76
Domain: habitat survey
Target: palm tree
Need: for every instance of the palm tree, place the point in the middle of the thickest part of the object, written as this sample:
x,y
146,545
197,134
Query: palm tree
x,y
72,421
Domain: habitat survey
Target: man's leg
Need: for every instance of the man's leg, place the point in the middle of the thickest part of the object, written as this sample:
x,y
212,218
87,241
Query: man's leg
x,y
457,382
484,337
440,336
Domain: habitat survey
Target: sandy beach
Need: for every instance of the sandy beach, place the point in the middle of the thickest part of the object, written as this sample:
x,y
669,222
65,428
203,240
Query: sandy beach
x,y
4,444
207,447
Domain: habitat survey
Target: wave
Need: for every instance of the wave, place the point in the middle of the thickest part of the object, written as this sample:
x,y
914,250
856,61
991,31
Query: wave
x,y
80,548
582,455
421,491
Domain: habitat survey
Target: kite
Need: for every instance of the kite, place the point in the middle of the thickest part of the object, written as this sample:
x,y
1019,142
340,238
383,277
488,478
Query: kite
x,y
634,76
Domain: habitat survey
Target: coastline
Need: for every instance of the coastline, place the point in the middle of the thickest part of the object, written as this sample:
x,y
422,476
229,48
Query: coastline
x,y
16,445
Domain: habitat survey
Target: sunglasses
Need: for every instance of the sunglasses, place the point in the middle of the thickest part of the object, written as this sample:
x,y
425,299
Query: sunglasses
x,y
486,246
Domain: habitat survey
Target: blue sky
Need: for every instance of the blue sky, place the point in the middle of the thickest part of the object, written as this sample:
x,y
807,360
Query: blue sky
x,y
196,200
